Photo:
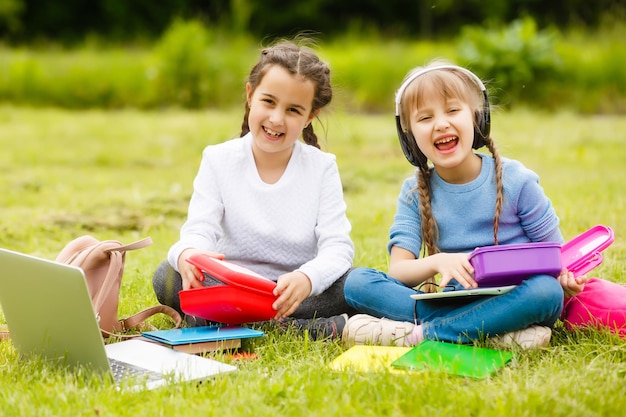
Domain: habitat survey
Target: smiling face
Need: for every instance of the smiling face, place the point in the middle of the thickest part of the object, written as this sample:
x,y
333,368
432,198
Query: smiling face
x,y
444,130
280,108
439,110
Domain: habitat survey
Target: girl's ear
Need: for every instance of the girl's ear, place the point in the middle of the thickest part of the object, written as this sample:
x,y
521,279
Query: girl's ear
x,y
248,93
312,116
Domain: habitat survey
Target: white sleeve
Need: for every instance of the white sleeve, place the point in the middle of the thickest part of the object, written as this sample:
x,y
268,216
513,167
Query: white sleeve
x,y
202,228
335,250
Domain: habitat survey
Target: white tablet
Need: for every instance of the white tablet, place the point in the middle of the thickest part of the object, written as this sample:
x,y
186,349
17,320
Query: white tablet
x,y
463,293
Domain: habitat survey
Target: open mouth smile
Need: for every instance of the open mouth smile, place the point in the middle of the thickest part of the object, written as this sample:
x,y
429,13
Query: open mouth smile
x,y
271,132
446,144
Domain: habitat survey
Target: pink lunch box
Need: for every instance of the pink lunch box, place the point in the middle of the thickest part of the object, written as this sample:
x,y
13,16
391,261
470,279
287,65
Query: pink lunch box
x,y
511,264
581,254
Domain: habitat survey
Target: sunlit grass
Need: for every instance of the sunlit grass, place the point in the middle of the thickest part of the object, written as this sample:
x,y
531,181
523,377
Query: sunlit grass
x,y
127,174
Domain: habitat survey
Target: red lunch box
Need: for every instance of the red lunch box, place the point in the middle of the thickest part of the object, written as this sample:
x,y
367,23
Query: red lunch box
x,y
245,297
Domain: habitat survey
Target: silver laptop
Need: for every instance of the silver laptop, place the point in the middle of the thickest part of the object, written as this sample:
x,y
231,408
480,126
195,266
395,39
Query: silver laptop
x,y
463,293
49,313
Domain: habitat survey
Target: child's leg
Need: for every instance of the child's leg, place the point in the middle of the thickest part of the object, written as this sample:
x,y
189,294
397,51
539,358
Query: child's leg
x,y
167,283
327,304
378,294
537,301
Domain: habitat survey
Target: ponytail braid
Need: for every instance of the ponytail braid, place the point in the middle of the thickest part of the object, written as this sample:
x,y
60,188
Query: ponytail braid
x,y
245,128
499,187
430,231
309,136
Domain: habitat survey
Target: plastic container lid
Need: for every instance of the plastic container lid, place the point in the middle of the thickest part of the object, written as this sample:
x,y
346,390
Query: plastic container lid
x,y
581,254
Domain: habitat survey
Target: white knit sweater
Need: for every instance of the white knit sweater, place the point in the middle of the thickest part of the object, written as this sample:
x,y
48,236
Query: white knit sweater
x,y
298,223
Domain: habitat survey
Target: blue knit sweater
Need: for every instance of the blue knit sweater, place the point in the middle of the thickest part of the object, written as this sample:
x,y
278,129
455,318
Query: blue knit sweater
x,y
464,212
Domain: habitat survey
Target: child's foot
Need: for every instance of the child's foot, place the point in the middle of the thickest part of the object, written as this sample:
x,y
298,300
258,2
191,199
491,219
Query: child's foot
x,y
363,329
320,328
533,337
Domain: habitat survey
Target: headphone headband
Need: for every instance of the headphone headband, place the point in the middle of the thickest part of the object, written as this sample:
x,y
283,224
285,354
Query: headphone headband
x,y
481,128
409,80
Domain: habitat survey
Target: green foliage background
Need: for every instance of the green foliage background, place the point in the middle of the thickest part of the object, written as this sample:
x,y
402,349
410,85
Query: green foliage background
x,y
193,66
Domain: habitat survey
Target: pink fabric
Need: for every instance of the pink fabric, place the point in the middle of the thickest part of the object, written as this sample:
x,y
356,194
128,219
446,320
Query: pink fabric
x,y
602,304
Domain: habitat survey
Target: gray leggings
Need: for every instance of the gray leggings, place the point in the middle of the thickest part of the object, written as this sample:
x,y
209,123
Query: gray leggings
x,y
167,283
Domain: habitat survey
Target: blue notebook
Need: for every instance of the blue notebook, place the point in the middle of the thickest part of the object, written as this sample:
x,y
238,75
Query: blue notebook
x,y
189,335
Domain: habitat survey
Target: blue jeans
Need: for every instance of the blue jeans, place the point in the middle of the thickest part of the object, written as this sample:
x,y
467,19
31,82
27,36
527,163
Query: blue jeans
x,y
537,301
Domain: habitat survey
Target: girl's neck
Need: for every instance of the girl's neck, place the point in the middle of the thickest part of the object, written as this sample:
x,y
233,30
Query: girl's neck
x,y
463,173
271,165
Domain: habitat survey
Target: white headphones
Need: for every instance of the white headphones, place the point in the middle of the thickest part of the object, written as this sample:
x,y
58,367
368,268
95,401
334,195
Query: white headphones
x,y
482,125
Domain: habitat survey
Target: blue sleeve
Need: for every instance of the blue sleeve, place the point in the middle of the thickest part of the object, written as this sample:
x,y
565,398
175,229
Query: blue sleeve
x,y
534,209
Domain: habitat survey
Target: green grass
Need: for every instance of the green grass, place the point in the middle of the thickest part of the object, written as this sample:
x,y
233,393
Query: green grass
x,y
127,174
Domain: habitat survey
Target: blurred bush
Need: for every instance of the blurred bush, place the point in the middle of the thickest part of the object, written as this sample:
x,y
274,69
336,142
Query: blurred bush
x,y
183,64
195,66
516,60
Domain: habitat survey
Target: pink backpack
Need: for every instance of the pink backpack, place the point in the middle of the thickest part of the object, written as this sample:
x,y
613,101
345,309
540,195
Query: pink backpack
x,y
601,304
103,265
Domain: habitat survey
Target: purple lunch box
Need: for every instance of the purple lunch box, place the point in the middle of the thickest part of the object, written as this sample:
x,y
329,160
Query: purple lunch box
x,y
500,265
511,264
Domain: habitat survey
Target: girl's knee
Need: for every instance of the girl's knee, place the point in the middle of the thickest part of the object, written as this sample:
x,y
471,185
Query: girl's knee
x,y
545,289
163,273
358,278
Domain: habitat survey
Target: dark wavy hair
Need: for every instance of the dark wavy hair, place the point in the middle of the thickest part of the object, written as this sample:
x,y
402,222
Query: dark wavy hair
x,y
297,60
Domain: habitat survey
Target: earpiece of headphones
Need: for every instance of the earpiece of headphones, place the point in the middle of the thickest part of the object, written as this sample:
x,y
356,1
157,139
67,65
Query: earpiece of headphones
x,y
482,125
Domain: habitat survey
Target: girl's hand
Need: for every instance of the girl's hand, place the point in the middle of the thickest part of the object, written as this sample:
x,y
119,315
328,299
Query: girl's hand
x,y
455,266
291,289
404,267
572,286
192,277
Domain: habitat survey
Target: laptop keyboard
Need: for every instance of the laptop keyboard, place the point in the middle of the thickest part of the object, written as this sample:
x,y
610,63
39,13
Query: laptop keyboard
x,y
122,370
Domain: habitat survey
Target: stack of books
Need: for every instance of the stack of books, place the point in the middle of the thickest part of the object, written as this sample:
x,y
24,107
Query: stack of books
x,y
201,339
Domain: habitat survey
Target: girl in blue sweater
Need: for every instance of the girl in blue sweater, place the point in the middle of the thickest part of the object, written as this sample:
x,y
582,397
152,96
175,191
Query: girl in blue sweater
x,y
462,201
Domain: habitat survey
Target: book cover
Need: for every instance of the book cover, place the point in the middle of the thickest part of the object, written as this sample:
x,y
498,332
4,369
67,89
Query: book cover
x,y
202,347
189,335
367,358
463,360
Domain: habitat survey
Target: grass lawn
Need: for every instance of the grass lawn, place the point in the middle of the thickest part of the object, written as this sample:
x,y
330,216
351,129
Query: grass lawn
x,y
127,174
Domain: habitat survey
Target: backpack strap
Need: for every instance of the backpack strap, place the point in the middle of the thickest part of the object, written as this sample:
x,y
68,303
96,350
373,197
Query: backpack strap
x,y
136,320
116,254
147,241
116,262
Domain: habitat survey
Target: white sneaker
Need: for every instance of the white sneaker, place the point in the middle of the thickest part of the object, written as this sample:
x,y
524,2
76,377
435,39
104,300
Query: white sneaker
x,y
363,329
532,337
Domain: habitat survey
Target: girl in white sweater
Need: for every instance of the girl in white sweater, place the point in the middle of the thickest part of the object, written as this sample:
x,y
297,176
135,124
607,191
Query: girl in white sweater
x,y
269,202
